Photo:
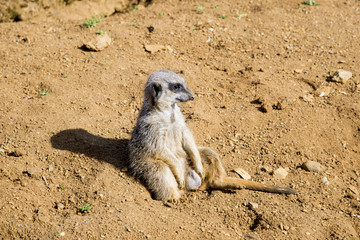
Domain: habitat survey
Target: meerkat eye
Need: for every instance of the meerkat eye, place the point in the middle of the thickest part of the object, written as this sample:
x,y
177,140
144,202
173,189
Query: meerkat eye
x,y
177,87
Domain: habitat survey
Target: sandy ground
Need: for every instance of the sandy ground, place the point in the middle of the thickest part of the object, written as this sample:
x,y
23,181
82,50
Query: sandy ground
x,y
264,99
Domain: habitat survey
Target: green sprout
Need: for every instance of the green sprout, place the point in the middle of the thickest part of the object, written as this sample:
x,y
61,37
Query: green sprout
x,y
200,8
215,6
241,15
89,23
42,93
310,3
86,208
100,32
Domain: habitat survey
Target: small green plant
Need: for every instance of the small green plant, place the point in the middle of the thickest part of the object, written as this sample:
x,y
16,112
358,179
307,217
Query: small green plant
x,y
134,7
200,8
100,32
310,3
86,208
42,93
215,6
60,187
196,27
53,132
241,15
133,23
161,14
222,16
89,23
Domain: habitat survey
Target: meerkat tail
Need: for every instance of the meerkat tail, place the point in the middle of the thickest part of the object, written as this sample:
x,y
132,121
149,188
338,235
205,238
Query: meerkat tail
x,y
236,183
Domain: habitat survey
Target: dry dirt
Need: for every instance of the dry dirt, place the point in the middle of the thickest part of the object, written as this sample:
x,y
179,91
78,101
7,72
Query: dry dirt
x,y
257,69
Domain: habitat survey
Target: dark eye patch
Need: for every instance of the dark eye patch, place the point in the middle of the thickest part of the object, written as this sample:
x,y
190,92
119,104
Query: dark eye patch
x,y
176,87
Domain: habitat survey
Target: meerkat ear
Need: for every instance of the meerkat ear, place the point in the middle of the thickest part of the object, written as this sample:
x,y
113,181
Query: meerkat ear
x,y
155,90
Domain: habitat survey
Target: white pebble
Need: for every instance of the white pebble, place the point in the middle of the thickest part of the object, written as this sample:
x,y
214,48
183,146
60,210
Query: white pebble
x,y
281,173
325,181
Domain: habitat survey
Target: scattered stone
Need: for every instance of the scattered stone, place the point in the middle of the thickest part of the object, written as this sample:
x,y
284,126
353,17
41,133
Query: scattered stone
x,y
354,190
33,172
298,71
242,173
341,76
267,169
100,43
15,153
60,206
154,48
44,178
62,234
308,98
325,181
311,166
253,206
281,173
323,91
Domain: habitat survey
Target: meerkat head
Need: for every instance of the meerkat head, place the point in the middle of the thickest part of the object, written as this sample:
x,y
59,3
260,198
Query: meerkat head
x,y
166,88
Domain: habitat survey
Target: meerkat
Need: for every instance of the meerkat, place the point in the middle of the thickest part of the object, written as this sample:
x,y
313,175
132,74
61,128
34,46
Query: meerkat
x,y
162,150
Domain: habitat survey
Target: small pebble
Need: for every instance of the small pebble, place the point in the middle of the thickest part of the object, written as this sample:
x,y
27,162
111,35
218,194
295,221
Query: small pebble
x,y
354,190
253,205
267,169
60,206
154,48
242,173
100,43
281,173
325,181
15,153
323,91
34,171
311,166
308,98
341,76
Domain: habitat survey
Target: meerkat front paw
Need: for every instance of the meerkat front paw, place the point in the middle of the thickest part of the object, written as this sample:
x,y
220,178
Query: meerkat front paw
x,y
193,180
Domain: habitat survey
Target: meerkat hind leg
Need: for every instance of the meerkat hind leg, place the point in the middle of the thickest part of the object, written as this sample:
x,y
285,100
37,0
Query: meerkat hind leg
x,y
163,184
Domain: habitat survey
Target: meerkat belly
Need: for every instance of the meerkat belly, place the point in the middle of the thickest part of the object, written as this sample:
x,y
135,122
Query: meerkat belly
x,y
174,141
